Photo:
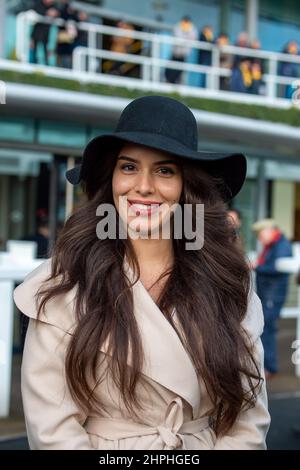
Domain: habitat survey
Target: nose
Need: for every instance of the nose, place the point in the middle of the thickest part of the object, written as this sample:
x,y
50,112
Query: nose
x,y
144,183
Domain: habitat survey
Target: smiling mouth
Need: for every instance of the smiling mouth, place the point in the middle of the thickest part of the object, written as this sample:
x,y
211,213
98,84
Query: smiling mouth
x,y
143,209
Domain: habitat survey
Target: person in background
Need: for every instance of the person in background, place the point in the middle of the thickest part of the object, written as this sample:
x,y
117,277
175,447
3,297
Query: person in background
x,y
41,237
205,56
271,285
242,41
225,59
185,29
256,70
67,37
289,69
241,78
122,45
40,31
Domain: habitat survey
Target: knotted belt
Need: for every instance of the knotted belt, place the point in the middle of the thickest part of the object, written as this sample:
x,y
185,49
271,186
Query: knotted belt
x,y
172,430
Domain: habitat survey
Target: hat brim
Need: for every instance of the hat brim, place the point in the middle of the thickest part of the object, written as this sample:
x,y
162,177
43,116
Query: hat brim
x,y
230,168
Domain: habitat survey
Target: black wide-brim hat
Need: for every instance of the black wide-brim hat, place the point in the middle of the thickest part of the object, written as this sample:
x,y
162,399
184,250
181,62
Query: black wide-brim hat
x,y
168,125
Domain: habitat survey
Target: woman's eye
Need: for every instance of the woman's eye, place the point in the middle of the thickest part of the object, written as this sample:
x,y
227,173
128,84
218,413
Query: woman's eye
x,y
128,167
166,171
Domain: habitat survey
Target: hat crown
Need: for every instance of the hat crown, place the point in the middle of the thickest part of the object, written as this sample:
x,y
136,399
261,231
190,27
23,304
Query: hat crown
x,y
162,116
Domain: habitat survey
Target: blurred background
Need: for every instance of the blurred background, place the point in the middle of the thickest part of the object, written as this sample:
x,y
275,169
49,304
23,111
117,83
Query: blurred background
x,y
67,69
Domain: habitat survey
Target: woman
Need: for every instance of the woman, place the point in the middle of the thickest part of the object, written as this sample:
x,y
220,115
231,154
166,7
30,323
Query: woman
x,y
146,342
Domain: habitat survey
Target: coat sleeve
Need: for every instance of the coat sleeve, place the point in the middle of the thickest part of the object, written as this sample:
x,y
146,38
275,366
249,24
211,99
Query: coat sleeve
x,y
53,421
250,430
281,250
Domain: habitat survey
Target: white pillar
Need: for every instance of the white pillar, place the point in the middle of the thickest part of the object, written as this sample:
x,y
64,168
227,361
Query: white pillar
x,y
252,13
283,206
2,27
6,344
262,191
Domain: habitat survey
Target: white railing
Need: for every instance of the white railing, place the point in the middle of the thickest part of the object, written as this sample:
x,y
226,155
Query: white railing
x,y
10,273
88,59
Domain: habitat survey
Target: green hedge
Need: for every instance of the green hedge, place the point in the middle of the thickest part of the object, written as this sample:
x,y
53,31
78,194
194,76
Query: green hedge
x,y
289,116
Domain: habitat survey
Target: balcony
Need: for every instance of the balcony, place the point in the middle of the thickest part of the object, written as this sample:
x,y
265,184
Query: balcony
x,y
87,74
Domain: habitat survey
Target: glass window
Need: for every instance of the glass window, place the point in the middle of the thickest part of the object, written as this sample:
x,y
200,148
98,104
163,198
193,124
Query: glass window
x,y
63,134
97,131
245,202
17,129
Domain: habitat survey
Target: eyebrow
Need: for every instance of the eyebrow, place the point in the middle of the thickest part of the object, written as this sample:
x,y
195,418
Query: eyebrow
x,y
124,157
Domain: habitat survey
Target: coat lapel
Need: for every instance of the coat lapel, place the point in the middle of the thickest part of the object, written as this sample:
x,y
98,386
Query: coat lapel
x,y
166,360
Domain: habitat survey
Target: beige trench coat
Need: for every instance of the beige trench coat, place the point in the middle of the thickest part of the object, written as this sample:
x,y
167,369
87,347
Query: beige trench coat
x,y
175,401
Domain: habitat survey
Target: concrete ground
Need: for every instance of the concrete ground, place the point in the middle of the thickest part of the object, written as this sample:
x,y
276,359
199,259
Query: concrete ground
x,y
283,391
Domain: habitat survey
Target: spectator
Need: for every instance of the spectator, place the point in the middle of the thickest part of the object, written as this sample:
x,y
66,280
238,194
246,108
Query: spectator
x,y
271,285
225,60
67,34
289,69
41,237
40,31
256,71
205,56
82,36
124,45
242,41
185,29
241,78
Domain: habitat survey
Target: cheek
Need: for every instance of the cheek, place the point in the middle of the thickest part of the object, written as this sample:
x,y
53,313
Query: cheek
x,y
120,184
171,191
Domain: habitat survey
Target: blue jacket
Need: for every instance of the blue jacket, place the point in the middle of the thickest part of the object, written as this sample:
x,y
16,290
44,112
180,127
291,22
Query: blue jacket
x,y
270,283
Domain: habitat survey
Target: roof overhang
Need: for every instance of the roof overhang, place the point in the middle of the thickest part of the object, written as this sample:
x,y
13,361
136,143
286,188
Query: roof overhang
x,y
259,137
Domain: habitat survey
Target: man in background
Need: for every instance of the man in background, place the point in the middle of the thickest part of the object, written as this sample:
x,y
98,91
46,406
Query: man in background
x,y
271,285
42,234
40,31
185,29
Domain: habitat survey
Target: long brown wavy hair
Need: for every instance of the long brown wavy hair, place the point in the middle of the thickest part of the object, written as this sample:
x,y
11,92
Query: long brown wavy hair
x,y
208,287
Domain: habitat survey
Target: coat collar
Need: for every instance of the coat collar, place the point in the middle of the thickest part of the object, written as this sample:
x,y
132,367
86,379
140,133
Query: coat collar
x,y
165,358
59,311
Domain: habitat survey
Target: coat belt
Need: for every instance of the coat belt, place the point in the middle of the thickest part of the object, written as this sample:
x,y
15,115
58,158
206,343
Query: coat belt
x,y
172,430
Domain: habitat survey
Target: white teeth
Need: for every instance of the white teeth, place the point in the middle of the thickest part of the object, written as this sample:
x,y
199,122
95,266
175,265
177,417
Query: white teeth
x,y
144,206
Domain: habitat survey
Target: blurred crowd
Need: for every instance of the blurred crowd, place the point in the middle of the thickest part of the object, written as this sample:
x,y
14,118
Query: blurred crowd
x,y
68,36
246,72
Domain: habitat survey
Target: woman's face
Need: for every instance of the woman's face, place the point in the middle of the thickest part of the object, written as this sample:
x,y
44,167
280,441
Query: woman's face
x,y
146,184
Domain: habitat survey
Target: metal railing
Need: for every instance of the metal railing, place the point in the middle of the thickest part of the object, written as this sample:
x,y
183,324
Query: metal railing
x,y
88,59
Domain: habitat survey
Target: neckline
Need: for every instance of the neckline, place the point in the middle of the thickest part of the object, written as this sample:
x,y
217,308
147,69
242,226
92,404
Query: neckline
x,y
152,300
170,363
